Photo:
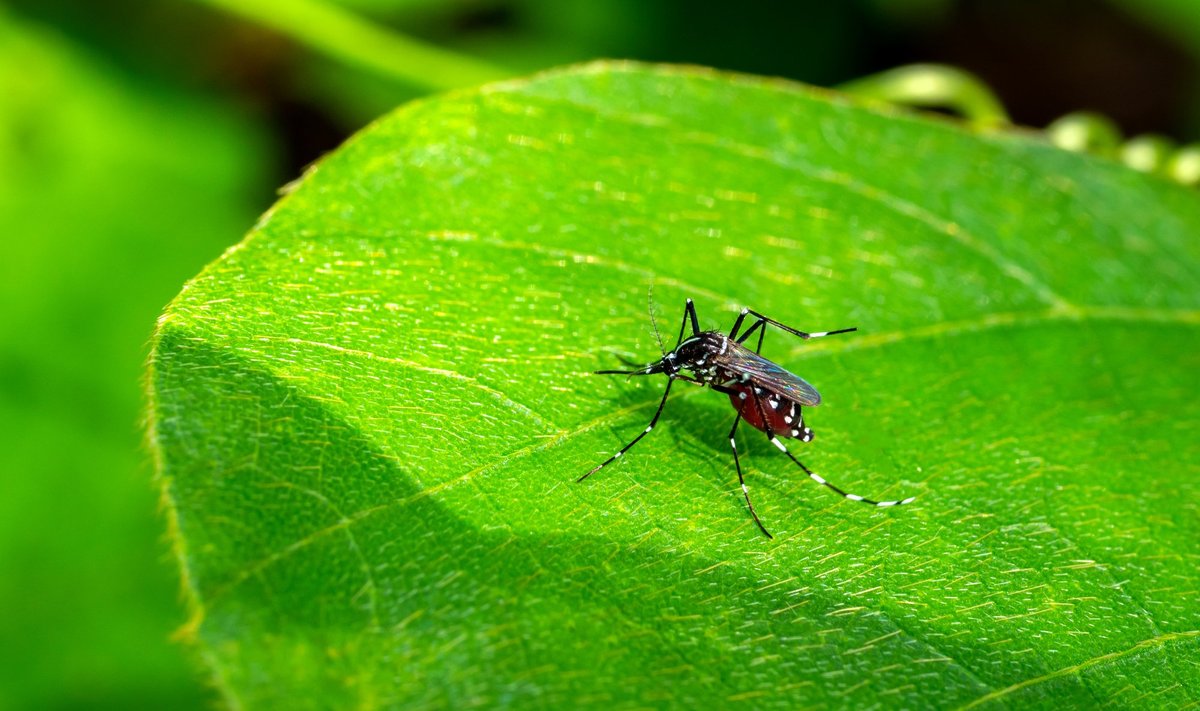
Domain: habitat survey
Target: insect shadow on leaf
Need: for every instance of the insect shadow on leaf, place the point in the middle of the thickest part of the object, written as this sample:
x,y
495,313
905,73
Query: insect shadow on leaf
x,y
765,395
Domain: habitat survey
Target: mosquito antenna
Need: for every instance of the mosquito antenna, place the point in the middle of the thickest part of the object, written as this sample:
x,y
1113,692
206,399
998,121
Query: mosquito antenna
x,y
653,322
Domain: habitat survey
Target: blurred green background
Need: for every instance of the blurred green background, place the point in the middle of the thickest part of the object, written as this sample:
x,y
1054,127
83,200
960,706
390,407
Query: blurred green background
x,y
141,138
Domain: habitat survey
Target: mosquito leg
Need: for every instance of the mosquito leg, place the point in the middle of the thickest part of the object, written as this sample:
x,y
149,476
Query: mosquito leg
x,y
853,497
738,324
741,480
756,395
689,314
762,331
813,475
794,332
759,325
643,433
703,383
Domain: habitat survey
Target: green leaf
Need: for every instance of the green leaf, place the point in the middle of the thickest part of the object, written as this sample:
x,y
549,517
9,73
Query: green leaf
x,y
371,413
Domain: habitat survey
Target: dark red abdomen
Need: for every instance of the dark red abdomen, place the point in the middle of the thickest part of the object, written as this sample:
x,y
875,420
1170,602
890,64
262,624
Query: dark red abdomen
x,y
782,415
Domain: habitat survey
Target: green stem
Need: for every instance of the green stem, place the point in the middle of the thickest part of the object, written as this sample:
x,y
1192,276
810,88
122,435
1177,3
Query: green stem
x,y
357,41
933,85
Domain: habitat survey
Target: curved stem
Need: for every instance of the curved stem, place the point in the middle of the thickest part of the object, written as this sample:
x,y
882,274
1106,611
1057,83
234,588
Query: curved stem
x,y
933,85
358,41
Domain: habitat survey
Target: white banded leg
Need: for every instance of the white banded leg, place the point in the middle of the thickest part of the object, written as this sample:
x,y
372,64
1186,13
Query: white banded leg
x,y
741,480
762,321
643,433
817,477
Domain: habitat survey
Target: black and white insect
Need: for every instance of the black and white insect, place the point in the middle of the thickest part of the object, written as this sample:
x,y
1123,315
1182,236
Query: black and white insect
x,y
765,395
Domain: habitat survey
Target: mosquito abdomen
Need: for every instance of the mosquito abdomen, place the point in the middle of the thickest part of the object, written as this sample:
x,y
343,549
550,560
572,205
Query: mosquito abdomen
x,y
783,415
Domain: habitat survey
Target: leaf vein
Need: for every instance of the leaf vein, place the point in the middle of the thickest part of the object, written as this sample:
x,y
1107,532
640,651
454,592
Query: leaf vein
x,y
1150,643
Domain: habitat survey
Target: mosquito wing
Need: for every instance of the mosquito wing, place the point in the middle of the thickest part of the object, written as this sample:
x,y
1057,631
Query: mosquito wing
x,y
740,360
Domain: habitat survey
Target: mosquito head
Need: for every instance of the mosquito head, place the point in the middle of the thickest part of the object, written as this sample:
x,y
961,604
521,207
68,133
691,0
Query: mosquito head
x,y
692,353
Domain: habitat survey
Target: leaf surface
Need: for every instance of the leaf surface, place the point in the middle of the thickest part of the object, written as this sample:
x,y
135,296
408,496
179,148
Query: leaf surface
x,y
371,413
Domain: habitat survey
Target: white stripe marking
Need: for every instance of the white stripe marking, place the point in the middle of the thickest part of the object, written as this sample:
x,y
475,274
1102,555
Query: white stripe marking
x,y
779,444
854,497
649,427
617,454
881,504
817,478
818,334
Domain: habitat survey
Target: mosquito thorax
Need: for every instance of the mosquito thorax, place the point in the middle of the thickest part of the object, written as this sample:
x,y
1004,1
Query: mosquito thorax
x,y
699,349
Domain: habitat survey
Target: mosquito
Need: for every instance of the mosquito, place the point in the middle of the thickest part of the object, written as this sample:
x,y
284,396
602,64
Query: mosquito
x,y
765,395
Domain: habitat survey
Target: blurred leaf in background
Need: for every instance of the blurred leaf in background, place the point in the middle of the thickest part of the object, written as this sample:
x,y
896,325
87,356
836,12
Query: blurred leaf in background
x,y
1134,61
113,188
